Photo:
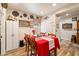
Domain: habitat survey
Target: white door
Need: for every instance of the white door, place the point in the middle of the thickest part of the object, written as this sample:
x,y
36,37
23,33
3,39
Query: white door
x,y
15,34
12,41
9,35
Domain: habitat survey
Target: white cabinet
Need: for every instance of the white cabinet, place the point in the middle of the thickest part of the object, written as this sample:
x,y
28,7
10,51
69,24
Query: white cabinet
x,y
12,40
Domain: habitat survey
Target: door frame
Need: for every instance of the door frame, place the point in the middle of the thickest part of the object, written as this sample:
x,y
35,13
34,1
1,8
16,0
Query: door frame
x,y
2,19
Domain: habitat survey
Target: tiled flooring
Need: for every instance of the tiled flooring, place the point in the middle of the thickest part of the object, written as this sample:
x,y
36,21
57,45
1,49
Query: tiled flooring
x,y
17,52
67,49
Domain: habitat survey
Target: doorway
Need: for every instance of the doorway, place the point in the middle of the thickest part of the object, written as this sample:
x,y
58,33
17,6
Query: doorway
x,y
2,31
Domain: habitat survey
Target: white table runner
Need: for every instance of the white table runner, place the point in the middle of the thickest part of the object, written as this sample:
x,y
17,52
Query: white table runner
x,y
51,42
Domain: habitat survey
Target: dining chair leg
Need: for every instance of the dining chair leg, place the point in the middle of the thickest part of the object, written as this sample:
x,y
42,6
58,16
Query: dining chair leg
x,y
27,50
31,51
25,47
55,51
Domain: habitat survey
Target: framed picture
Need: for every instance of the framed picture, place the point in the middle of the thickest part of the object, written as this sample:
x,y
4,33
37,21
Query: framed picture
x,y
24,23
67,26
74,19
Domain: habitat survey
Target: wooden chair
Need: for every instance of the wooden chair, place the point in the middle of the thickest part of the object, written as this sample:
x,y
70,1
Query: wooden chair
x,y
33,46
27,40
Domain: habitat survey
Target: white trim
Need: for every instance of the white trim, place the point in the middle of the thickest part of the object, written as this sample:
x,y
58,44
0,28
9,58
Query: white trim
x,y
3,17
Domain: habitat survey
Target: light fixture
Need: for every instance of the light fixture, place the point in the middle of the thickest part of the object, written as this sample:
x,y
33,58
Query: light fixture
x,y
67,14
54,4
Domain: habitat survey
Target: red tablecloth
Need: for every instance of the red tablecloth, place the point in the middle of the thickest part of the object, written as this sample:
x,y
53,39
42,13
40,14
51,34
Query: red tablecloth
x,y
56,42
42,48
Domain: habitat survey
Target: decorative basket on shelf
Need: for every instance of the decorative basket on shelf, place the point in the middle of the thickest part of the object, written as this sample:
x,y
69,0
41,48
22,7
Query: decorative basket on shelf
x,y
12,18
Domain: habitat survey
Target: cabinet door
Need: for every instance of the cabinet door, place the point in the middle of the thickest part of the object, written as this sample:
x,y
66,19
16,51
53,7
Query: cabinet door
x,y
78,32
12,41
78,25
9,42
15,35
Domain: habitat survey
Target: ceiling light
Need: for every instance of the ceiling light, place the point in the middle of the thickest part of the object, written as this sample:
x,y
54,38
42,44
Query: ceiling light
x,y
54,4
67,14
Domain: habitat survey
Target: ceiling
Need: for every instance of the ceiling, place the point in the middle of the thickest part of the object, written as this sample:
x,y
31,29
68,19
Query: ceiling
x,y
71,12
40,9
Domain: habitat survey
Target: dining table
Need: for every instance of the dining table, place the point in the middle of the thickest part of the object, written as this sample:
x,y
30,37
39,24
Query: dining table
x,y
45,44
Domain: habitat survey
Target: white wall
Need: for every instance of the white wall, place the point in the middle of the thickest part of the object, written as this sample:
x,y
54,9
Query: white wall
x,y
66,34
38,28
22,30
48,25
